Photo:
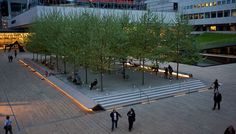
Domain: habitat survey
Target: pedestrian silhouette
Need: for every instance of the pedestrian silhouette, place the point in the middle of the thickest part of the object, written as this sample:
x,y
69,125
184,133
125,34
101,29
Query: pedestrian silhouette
x,y
229,130
216,85
114,118
15,53
7,125
94,83
217,99
131,118
170,69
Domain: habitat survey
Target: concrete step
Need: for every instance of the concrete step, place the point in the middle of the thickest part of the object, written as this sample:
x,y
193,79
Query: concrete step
x,y
147,94
150,90
153,88
139,96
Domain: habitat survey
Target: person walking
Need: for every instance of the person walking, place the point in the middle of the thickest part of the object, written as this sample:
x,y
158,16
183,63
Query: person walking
x,y
217,99
216,85
114,118
170,69
229,130
131,118
7,125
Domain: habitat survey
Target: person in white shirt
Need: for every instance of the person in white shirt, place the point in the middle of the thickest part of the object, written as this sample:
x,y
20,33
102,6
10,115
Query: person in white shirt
x,y
114,118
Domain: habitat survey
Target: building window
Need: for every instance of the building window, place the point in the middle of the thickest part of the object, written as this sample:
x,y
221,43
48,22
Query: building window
x,y
190,16
223,2
213,28
233,12
211,4
226,13
201,16
213,14
207,4
228,1
220,14
199,5
233,1
207,15
214,3
203,4
196,16
219,3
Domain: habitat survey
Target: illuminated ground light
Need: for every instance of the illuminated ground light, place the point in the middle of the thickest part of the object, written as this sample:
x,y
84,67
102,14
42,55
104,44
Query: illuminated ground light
x,y
148,68
56,87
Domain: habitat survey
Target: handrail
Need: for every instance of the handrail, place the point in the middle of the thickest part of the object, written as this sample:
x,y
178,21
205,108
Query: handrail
x,y
142,92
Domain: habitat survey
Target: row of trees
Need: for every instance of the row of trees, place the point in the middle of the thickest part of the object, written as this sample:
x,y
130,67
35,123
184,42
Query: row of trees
x,y
96,42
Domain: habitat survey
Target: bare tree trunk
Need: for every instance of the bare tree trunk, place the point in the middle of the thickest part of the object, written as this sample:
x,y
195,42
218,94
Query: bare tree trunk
x,y
64,65
123,68
86,74
157,67
57,60
143,73
101,76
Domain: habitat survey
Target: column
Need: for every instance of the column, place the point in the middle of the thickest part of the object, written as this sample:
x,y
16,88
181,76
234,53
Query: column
x,y
9,8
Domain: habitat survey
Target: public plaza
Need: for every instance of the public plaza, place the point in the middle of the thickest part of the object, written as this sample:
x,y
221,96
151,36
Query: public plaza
x,y
60,47
37,108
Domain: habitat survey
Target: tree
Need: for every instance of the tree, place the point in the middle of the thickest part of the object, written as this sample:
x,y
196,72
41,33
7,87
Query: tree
x,y
182,47
143,38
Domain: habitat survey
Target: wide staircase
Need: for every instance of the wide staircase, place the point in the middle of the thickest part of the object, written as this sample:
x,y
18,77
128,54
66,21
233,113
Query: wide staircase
x,y
147,95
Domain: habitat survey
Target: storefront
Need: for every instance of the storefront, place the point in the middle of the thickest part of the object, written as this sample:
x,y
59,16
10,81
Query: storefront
x,y
11,37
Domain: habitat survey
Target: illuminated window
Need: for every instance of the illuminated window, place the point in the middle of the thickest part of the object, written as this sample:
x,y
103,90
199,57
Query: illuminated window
x,y
213,28
203,4
211,4
214,3
201,15
207,4
233,12
199,5
196,16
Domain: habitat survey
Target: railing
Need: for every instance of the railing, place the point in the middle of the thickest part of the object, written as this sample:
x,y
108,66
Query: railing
x,y
142,92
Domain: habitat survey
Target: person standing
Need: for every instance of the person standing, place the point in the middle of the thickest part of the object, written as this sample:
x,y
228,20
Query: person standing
x,y
15,53
216,85
217,99
114,118
131,118
7,125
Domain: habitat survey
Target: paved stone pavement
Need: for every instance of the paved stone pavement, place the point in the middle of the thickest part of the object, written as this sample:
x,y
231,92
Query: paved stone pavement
x,y
36,108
